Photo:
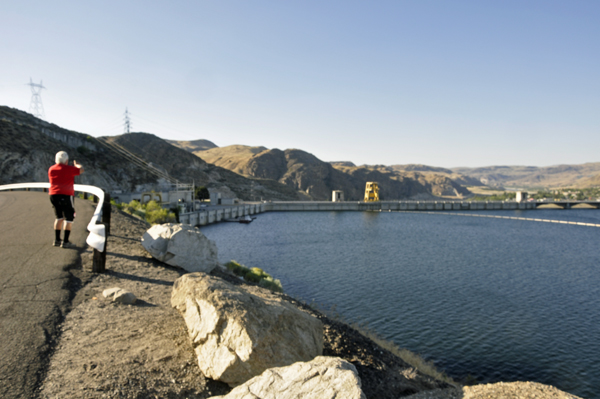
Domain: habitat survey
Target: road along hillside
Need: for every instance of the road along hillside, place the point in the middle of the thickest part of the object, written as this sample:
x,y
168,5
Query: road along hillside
x,y
35,286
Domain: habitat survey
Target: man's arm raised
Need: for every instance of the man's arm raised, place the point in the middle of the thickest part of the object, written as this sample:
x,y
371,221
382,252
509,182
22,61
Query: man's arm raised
x,y
78,165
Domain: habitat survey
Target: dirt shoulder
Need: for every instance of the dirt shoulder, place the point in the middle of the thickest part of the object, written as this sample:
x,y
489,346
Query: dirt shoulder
x,y
109,350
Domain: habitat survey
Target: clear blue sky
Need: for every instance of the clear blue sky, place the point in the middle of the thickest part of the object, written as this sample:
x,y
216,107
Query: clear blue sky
x,y
442,83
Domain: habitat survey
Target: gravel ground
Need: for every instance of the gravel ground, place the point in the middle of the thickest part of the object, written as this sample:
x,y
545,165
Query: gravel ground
x,y
109,350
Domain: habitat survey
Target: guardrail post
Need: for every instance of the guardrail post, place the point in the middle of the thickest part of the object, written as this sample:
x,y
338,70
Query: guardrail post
x,y
106,209
99,259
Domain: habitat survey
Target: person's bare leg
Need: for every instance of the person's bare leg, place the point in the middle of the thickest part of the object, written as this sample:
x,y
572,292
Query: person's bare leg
x,y
67,231
58,224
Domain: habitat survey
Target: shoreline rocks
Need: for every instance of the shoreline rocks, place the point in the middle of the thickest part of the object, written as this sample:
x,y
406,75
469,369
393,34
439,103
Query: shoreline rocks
x,y
323,377
238,332
181,245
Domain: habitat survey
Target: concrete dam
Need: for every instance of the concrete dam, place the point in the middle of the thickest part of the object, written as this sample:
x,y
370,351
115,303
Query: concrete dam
x,y
218,213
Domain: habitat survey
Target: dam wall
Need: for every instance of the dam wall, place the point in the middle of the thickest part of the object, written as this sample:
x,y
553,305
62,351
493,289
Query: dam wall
x,y
220,213
282,206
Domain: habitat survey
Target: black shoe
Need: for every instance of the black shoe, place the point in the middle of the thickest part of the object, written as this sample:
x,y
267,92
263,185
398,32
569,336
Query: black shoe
x,y
56,243
67,244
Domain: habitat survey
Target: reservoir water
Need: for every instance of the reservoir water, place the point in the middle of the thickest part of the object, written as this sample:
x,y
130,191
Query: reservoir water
x,y
497,299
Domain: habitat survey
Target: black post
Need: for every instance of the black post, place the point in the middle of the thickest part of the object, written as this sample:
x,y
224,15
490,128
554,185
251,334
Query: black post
x,y
85,196
99,260
106,209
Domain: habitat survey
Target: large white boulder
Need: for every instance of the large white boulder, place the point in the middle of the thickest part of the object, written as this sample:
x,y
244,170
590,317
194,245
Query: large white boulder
x,y
321,378
240,331
181,245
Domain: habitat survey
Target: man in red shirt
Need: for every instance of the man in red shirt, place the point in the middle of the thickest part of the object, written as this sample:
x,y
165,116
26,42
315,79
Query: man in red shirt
x,y
62,179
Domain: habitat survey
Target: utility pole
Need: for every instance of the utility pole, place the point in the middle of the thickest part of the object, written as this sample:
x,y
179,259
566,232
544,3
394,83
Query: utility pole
x,y
127,121
35,107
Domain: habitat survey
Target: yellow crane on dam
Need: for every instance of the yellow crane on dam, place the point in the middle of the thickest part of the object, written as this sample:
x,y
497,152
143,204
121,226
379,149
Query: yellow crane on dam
x,y
372,191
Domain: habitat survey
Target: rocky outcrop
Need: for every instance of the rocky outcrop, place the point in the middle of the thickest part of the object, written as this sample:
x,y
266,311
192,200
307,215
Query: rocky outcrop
x,y
238,332
323,378
181,245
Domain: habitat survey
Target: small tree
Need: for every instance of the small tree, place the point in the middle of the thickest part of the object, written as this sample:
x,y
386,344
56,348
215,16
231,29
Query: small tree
x,y
201,193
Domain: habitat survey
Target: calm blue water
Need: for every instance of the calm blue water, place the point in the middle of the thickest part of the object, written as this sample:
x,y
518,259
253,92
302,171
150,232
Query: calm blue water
x,y
497,299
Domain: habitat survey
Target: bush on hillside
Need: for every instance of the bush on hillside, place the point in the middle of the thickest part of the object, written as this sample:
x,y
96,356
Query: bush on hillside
x,y
255,275
151,212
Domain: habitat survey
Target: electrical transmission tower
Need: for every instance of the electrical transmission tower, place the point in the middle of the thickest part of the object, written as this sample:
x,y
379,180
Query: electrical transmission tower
x,y
127,121
35,107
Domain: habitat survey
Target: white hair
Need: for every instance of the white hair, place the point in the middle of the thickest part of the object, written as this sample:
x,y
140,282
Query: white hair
x,y
61,157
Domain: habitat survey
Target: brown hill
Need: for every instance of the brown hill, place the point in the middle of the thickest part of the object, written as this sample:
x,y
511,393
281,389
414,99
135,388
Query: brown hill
x,y
233,157
315,179
139,162
433,171
416,185
193,146
189,168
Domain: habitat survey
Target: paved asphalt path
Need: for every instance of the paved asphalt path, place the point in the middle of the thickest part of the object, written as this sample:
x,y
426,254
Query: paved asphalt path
x,y
34,286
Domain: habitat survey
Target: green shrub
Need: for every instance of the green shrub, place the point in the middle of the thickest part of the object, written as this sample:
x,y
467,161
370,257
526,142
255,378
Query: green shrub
x,y
271,284
252,277
152,212
201,193
159,216
133,206
236,268
259,272
152,206
255,275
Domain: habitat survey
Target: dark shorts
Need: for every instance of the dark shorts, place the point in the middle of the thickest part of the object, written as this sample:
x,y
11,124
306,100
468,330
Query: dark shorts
x,y
63,206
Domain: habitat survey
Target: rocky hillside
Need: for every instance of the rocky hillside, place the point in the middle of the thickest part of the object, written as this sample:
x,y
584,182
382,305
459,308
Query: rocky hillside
x,y
194,145
316,179
533,177
190,168
306,173
131,162
411,184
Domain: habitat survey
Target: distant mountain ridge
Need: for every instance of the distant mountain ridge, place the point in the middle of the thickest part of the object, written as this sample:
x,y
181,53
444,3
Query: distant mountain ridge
x,y
533,177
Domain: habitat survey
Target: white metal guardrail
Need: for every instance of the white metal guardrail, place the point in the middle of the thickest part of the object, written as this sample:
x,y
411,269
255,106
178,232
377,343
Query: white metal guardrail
x,y
97,237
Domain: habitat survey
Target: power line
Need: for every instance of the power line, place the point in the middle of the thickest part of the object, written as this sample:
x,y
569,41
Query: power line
x,y
35,106
136,160
136,116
